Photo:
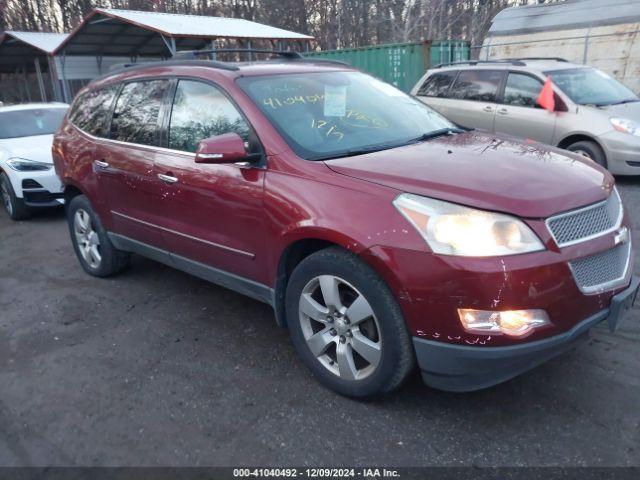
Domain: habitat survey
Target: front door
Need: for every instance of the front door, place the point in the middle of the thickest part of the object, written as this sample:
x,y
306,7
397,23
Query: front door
x,y
127,162
212,213
519,113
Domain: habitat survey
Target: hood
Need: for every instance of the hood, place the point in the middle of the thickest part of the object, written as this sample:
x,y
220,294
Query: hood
x,y
624,110
36,148
482,170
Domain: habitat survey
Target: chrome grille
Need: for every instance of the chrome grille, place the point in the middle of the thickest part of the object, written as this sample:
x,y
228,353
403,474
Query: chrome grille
x,y
588,222
602,271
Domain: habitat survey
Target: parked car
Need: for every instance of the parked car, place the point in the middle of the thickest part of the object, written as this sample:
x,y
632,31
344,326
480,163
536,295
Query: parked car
x,y
382,235
595,115
27,177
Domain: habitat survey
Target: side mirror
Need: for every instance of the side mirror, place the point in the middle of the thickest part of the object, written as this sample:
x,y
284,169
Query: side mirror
x,y
227,148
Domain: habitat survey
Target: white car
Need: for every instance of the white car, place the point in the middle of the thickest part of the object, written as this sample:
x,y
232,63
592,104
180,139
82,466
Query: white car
x,y
27,177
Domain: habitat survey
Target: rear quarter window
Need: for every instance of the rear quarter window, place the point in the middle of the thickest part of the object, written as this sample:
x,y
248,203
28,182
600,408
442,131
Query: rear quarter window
x,y
437,85
92,111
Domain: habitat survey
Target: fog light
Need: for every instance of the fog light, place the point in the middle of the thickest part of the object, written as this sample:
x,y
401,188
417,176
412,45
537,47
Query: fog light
x,y
510,322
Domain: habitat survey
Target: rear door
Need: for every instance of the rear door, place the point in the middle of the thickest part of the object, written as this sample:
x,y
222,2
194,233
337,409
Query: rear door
x,y
519,114
472,98
91,113
127,162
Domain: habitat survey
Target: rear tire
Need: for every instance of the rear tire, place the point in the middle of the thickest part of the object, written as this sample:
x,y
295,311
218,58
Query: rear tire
x,y
92,245
590,150
347,326
14,206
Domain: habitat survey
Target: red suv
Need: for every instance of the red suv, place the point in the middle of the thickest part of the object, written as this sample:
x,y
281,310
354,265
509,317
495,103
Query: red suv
x,y
383,235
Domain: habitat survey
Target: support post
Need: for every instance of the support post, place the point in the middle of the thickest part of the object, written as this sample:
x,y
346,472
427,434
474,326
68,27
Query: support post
x,y
249,48
213,54
65,86
55,82
170,43
25,82
43,92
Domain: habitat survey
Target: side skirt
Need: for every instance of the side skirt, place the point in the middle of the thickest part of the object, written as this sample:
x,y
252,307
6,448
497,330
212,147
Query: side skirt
x,y
225,279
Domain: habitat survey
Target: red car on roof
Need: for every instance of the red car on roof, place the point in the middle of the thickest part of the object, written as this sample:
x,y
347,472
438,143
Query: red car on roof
x,y
384,236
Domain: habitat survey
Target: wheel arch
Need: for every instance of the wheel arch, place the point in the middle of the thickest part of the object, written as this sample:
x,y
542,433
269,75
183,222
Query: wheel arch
x,y
70,191
296,248
579,137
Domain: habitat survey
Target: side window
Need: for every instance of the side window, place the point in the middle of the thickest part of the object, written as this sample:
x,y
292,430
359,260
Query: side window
x,y
437,85
92,111
135,118
201,111
522,90
478,85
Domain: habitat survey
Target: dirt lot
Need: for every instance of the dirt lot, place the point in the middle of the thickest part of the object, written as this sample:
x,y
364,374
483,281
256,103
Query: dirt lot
x,y
156,367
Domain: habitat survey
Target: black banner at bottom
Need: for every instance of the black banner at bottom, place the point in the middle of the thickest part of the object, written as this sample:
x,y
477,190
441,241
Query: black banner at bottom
x,y
319,473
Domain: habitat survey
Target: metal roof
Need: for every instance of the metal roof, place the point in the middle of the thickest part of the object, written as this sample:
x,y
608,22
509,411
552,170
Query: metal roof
x,y
128,33
46,42
570,14
20,49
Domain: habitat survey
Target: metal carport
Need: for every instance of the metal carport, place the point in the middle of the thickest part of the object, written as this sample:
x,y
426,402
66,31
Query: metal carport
x,y
22,53
132,35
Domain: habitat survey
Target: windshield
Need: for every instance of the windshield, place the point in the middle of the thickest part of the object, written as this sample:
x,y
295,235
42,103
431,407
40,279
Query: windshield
x,y
333,114
588,86
27,123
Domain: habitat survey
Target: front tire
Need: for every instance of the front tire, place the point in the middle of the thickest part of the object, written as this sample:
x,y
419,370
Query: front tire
x,y
14,206
92,245
347,326
590,150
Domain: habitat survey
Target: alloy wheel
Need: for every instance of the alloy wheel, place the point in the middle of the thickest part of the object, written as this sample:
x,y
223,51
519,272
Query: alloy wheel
x,y
340,327
583,153
6,198
87,238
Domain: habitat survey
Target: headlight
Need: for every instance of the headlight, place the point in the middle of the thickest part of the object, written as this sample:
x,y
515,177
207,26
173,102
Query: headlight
x,y
452,229
24,165
625,126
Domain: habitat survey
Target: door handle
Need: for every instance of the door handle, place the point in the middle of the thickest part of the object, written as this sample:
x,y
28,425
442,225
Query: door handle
x,y
167,178
503,111
101,164
488,109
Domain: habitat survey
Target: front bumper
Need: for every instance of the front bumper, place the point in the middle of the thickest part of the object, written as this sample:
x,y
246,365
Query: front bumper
x,y
622,151
37,189
461,368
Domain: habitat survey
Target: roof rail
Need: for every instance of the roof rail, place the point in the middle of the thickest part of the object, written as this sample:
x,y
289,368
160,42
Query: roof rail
x,y
555,59
287,55
514,61
186,54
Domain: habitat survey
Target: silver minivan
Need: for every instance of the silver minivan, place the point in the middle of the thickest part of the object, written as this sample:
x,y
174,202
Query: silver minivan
x,y
594,114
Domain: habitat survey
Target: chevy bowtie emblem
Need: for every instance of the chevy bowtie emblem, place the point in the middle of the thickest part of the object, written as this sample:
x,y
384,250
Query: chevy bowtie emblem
x,y
622,236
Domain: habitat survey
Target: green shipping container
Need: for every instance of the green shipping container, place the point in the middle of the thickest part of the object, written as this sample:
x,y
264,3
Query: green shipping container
x,y
401,64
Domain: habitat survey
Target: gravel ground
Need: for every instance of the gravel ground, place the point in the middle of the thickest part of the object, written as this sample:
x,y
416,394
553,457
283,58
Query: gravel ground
x,y
156,367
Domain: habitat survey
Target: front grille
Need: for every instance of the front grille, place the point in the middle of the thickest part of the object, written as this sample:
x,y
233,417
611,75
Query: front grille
x,y
602,271
44,197
588,222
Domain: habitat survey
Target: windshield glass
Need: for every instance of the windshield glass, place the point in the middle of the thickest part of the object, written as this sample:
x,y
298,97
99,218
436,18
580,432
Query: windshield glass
x,y
332,114
26,123
588,86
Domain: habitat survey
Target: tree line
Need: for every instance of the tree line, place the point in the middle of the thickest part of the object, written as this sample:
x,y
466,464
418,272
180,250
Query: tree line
x,y
334,23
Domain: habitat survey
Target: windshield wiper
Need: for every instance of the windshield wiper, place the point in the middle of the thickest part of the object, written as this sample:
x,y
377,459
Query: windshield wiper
x,y
357,151
435,134
629,100
608,104
378,148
